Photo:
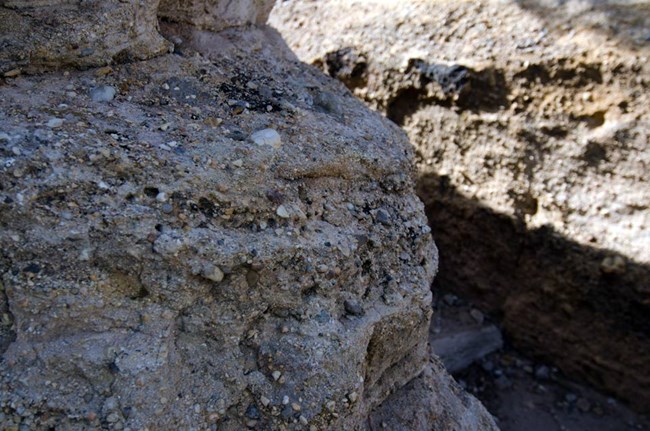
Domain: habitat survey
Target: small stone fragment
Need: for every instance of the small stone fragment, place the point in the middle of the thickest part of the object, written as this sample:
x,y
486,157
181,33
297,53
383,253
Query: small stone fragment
x,y
282,212
265,401
613,265
212,272
353,308
267,137
252,412
477,315
276,375
55,123
103,93
382,216
86,52
12,73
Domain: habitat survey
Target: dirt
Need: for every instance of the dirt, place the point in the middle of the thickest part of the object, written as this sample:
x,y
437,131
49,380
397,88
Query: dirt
x,y
524,393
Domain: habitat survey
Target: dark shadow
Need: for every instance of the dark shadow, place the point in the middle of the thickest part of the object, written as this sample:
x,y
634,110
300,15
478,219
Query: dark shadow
x,y
585,309
629,22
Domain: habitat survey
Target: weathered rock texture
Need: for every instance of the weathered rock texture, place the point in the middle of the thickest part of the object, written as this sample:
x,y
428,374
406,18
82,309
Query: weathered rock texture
x,y
216,14
165,266
530,121
53,34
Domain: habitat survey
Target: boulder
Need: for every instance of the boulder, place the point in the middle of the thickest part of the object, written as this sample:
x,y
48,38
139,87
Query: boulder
x,y
219,238
529,121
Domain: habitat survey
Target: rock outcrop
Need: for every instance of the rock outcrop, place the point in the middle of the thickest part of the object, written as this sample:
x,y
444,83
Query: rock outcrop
x,y
530,125
54,34
218,238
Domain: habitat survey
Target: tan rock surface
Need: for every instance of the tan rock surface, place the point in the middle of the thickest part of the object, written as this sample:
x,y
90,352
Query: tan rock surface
x,y
222,238
530,122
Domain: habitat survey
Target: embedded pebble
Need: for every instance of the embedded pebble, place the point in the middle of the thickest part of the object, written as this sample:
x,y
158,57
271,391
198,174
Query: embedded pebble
x,y
477,316
267,137
382,216
282,212
613,265
276,376
212,272
55,123
353,308
252,412
103,93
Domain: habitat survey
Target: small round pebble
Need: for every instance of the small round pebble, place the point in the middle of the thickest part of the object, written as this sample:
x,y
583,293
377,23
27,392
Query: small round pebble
x,y
55,123
267,137
103,93
282,212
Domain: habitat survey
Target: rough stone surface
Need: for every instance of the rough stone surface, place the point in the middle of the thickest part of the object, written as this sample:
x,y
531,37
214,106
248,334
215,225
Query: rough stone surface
x,y
150,281
216,14
53,34
530,121
424,404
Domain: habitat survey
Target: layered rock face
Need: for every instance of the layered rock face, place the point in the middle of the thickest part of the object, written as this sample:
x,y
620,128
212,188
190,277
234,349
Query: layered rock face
x,y
530,124
219,238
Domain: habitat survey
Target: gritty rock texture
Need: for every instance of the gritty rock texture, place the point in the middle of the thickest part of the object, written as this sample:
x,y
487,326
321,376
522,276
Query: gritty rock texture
x,y
230,241
530,121
424,405
54,34
216,14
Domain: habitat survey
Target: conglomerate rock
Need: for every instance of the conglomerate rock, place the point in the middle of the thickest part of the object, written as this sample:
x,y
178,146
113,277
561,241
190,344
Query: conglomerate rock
x,y
39,35
530,121
220,238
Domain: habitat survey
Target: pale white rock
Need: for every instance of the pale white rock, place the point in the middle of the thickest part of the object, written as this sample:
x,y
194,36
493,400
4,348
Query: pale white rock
x,y
267,137
55,123
282,212
213,272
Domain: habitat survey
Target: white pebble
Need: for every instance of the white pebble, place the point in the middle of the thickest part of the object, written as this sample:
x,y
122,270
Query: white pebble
x,y
103,93
282,212
212,272
55,123
267,137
